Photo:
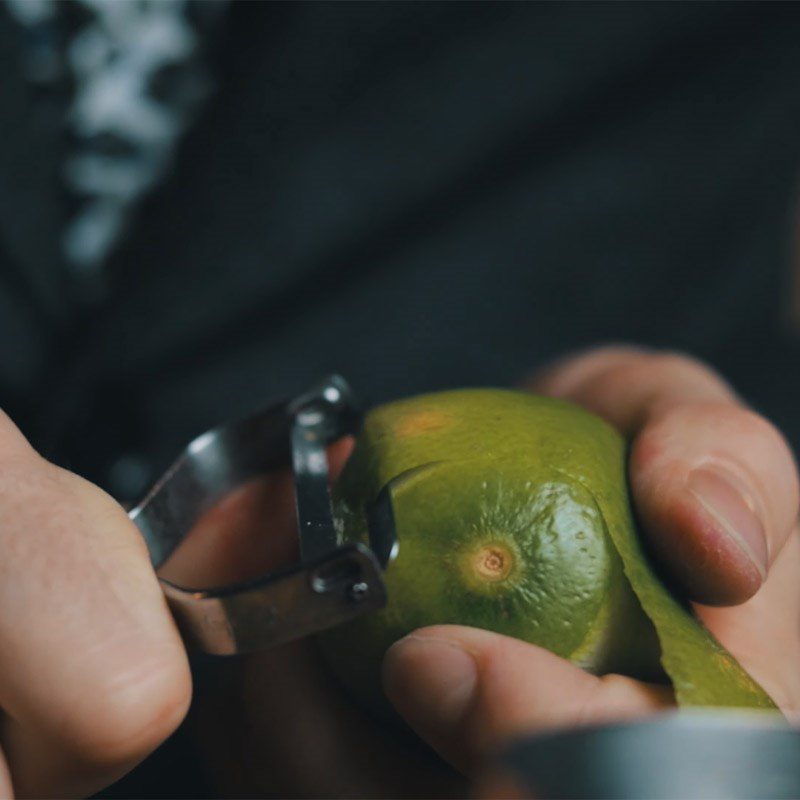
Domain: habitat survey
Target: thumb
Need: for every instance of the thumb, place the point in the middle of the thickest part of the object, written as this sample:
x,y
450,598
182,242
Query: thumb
x,y
466,691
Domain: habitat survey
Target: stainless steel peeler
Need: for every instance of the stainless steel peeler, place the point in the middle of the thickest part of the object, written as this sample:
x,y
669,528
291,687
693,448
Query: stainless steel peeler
x,y
331,584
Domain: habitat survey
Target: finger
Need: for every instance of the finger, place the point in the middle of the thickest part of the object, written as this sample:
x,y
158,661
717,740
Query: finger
x,y
93,675
714,483
467,691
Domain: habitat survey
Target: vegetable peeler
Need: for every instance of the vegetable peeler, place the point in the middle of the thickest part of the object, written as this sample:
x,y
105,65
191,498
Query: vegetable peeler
x,y
331,584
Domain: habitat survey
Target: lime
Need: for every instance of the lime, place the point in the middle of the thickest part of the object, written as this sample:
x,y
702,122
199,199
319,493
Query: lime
x,y
512,515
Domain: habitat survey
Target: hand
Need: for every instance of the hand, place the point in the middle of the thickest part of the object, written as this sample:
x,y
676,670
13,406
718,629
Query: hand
x,y
716,490
93,675
282,728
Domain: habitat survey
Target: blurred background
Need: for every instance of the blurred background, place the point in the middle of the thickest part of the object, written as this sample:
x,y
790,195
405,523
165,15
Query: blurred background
x,y
207,206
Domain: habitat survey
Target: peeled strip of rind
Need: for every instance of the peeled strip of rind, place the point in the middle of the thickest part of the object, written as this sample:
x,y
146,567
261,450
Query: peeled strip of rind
x,y
702,671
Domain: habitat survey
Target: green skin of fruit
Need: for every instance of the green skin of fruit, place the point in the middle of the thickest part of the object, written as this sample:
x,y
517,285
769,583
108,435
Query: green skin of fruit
x,y
512,515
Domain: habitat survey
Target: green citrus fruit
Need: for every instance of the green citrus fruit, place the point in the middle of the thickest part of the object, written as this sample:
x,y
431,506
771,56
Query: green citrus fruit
x,y
512,515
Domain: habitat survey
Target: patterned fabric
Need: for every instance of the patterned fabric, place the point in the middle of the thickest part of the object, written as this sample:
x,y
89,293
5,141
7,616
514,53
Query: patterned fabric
x,y
137,72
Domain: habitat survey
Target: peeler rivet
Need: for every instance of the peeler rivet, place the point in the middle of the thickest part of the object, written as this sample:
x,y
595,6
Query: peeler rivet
x,y
358,592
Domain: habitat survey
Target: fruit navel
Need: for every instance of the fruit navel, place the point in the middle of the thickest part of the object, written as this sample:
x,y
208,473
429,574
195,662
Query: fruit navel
x,y
492,563
486,566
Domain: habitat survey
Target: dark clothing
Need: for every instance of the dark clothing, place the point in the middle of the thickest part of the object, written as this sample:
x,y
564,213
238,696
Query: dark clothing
x,y
417,196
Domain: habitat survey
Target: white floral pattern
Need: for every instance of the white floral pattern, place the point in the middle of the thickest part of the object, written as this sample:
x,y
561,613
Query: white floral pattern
x,y
138,78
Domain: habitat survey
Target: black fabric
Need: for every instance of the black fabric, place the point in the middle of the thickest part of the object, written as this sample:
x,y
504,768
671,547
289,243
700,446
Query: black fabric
x,y
417,196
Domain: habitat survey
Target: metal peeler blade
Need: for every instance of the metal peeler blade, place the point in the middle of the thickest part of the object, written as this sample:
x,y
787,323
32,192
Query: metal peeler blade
x,y
331,584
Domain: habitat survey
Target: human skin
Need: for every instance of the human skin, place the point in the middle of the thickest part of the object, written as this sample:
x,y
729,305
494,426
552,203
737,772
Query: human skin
x,y
93,675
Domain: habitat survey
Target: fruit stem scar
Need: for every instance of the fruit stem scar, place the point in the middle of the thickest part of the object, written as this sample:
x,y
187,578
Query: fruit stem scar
x,y
492,563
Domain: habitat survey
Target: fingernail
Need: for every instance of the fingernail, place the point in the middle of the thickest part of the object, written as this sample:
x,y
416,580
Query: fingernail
x,y
430,681
723,497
